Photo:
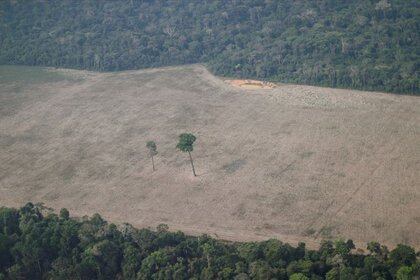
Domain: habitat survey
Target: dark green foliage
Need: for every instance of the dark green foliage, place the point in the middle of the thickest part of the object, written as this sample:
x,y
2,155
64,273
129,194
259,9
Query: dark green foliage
x,y
405,273
186,141
37,246
151,145
371,45
403,254
64,214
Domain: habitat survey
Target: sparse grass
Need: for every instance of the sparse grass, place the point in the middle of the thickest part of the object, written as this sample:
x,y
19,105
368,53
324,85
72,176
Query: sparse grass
x,y
234,165
309,232
68,173
326,232
282,202
306,154
240,211
26,75
378,225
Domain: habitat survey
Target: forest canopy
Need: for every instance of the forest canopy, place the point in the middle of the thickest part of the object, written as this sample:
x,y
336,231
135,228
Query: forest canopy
x,y
35,243
370,45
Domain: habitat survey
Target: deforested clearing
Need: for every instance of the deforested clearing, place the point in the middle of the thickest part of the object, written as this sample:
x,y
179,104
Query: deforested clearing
x,y
298,163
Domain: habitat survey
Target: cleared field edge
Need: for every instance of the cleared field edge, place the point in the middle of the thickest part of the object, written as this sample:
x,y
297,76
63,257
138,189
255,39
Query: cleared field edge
x,y
205,73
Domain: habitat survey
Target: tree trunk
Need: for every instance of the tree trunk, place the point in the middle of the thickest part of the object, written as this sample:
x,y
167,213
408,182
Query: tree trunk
x,y
153,164
192,164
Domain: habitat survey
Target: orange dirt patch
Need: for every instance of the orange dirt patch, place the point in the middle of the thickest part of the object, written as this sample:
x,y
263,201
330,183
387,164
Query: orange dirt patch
x,y
251,84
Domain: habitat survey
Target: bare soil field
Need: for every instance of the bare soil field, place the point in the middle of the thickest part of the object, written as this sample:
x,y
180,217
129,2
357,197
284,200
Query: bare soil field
x,y
298,163
251,84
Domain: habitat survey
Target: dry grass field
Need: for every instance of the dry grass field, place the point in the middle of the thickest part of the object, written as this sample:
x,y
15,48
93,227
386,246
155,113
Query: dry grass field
x,y
294,162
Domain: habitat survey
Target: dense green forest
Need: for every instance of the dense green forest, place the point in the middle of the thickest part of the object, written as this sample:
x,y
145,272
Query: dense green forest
x,y
363,44
35,243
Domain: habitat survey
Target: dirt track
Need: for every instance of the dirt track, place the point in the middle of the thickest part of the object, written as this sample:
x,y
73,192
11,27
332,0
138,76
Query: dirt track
x,y
294,162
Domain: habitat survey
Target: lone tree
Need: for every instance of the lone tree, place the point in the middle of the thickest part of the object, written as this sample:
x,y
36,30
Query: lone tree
x,y
185,144
151,145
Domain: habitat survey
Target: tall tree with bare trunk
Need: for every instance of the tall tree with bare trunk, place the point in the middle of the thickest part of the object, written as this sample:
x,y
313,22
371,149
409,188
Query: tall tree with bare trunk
x,y
151,145
185,144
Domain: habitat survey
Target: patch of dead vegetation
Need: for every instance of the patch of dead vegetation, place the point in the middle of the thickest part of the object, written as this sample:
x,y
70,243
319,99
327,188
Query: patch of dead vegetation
x,y
251,84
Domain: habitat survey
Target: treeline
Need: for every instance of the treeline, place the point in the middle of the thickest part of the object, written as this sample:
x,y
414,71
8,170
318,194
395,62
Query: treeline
x,y
363,44
35,243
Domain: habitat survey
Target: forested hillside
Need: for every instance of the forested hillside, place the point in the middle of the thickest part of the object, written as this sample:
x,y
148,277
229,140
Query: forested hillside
x,y
34,245
361,44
